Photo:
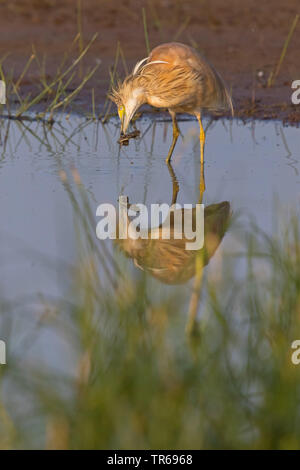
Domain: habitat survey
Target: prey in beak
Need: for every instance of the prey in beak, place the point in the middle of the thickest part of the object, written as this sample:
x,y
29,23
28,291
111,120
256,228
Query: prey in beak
x,y
128,98
125,120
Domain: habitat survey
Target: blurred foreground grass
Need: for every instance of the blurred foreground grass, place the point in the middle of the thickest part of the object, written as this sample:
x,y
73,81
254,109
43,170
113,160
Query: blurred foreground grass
x,y
137,380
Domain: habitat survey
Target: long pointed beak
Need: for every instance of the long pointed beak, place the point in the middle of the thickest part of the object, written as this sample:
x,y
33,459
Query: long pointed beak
x,y
125,123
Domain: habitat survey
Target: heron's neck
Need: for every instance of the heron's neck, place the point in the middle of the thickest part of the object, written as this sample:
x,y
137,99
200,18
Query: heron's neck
x,y
139,96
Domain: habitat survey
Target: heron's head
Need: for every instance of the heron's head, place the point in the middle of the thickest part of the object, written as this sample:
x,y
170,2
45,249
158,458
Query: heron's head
x,y
129,96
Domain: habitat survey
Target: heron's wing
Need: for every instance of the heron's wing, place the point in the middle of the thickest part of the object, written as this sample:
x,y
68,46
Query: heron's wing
x,y
191,78
171,86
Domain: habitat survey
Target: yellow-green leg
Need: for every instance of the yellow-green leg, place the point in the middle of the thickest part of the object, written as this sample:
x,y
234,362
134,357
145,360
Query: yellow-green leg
x,y
202,143
175,136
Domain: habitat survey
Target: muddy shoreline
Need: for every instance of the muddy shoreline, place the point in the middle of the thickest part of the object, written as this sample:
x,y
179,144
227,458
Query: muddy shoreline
x,y
243,40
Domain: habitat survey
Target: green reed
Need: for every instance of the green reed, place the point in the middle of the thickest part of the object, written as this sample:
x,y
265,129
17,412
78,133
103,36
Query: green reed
x,y
137,379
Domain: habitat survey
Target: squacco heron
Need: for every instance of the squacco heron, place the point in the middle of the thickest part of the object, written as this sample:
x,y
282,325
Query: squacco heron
x,y
177,77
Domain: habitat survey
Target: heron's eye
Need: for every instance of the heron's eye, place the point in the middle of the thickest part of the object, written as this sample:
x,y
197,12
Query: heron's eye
x,y
121,112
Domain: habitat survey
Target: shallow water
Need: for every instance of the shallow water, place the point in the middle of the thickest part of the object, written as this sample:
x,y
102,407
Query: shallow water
x,y
254,166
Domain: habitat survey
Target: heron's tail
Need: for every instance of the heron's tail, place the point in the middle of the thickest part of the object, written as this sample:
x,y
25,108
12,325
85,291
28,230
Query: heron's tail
x,y
224,98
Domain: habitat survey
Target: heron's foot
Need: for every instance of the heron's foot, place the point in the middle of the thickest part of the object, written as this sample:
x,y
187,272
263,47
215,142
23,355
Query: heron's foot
x,y
169,157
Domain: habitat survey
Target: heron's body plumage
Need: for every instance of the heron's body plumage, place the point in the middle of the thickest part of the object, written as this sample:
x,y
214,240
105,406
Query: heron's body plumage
x,y
186,83
177,77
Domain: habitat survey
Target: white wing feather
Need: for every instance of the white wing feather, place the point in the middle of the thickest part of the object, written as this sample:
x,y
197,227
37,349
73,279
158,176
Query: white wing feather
x,y
138,67
155,62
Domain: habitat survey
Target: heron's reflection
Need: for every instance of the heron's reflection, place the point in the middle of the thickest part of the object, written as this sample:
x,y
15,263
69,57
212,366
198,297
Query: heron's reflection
x,y
168,260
